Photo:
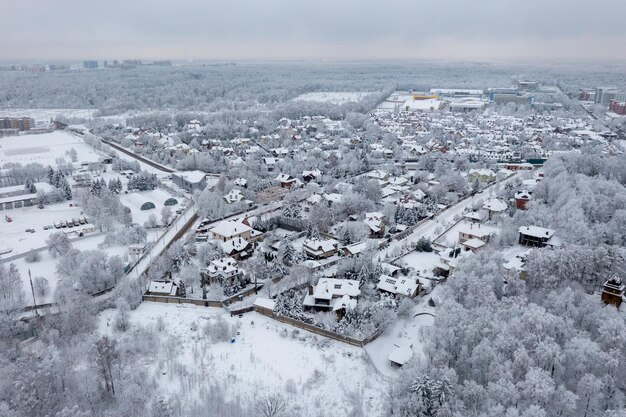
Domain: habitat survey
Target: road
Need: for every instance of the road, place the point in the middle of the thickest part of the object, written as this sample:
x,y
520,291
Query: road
x,y
43,248
137,157
445,218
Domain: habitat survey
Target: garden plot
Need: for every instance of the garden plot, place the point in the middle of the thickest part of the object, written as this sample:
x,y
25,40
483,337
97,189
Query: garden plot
x,y
136,199
44,149
422,262
341,97
405,332
265,356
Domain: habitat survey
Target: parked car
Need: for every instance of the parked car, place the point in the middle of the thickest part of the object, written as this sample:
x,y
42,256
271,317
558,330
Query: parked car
x,y
46,227
39,206
30,230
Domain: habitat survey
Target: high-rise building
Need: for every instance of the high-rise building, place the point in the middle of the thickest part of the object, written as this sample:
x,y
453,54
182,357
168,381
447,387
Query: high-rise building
x,y
19,123
90,64
604,95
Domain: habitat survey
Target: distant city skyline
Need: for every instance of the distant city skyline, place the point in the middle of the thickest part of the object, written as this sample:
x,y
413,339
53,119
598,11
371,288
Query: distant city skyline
x,y
492,30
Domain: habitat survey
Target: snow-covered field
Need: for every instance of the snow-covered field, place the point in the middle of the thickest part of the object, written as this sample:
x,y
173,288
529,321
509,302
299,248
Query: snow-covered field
x,y
44,149
44,115
333,97
318,377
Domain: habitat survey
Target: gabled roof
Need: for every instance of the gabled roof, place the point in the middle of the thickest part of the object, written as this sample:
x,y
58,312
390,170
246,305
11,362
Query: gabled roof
x,y
229,228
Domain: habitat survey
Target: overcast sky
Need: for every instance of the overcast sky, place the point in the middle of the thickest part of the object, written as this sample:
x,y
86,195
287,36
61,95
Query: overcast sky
x,y
328,29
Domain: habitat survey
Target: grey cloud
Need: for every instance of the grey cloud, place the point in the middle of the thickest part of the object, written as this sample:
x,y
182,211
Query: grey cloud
x,y
282,28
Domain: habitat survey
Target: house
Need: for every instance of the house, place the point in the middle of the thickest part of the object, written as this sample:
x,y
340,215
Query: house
x,y
137,249
473,216
494,206
448,260
613,291
270,163
521,199
473,245
237,248
400,356
230,229
474,232
517,265
399,286
320,248
376,222
234,196
354,249
163,288
286,181
241,182
331,294
309,176
482,175
535,236
222,268
190,180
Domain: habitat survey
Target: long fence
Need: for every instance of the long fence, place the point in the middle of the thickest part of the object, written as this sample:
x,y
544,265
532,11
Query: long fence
x,y
317,330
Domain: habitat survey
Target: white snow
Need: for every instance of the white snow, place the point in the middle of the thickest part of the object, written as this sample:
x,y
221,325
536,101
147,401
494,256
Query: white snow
x,y
266,356
44,149
333,97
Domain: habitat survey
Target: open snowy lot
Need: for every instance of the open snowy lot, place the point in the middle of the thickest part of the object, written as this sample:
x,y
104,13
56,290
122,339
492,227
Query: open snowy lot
x,y
44,149
318,376
333,97
14,233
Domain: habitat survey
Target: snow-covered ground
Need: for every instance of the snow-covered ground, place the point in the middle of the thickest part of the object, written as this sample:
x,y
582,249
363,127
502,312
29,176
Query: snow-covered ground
x,y
422,262
46,266
44,149
333,97
14,233
314,373
405,332
44,115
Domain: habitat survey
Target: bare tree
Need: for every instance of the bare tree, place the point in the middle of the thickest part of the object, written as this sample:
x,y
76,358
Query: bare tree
x,y
270,405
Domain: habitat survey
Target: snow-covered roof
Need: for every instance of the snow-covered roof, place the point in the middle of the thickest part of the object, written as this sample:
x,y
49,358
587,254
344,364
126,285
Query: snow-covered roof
x,y
191,176
536,231
474,243
234,245
400,285
401,355
495,204
162,287
324,245
328,288
230,228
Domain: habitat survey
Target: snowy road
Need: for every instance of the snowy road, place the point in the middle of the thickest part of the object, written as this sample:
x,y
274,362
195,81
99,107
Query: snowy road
x,y
431,228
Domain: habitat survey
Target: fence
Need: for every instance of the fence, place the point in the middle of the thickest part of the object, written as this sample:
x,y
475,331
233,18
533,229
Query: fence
x,y
317,330
180,300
